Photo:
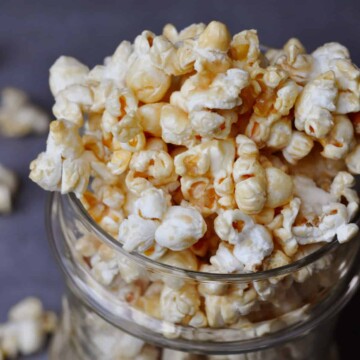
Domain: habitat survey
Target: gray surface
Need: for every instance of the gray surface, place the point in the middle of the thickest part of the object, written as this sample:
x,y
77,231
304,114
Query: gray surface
x,y
34,33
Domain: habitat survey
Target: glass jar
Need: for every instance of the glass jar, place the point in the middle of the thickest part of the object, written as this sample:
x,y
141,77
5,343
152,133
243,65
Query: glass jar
x,y
286,313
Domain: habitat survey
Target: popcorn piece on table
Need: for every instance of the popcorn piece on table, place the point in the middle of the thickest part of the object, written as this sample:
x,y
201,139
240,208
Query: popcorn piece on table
x,y
18,116
8,186
26,329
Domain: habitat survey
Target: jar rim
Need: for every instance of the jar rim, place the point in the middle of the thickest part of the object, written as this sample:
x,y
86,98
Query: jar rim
x,y
80,211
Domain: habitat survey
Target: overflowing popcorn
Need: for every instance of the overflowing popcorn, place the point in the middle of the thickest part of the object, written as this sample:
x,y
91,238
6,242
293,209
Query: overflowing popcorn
x,y
26,330
198,151
8,186
177,128
18,116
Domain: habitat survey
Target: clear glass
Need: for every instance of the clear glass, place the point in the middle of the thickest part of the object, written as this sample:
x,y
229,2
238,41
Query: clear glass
x,y
286,313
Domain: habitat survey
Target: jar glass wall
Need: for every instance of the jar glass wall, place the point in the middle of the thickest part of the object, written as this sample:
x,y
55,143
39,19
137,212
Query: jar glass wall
x,y
286,313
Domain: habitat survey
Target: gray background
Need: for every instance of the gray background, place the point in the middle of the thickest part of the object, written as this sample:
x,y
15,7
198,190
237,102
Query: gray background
x,y
34,33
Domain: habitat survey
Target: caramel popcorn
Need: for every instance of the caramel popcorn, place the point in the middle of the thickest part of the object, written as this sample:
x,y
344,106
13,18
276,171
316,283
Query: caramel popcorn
x,y
199,151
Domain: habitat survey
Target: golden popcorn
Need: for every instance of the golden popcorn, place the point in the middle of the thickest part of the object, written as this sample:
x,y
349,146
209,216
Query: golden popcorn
x,y
198,150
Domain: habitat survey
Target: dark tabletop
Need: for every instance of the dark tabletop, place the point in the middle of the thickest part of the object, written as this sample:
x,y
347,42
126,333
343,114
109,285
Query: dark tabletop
x,y
34,33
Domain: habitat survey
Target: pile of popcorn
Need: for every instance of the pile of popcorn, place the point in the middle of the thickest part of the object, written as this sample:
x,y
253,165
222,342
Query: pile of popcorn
x,y
195,146
27,328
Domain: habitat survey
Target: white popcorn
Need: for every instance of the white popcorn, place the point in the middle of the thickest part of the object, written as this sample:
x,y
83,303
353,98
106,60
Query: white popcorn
x,y
342,187
66,71
26,329
249,176
312,197
336,58
46,171
148,82
180,228
222,92
332,218
298,147
210,124
279,187
137,233
152,204
340,139
8,186
114,68
252,242
353,160
334,221
225,261
175,126
284,235
294,60
225,310
176,305
156,165
315,105
18,116
71,102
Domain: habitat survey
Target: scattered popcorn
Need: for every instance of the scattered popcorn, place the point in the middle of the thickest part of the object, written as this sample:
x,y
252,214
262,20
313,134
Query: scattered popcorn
x,y
8,186
26,329
18,116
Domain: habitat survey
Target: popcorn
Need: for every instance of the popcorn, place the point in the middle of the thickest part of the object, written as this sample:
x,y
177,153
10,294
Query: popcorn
x,y
173,59
252,242
152,204
27,327
315,105
211,48
224,310
66,71
222,92
175,126
71,102
279,187
284,235
352,160
18,116
8,186
150,116
244,49
155,164
148,82
137,233
177,305
340,139
199,152
325,217
335,57
298,147
180,228
293,59
250,177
